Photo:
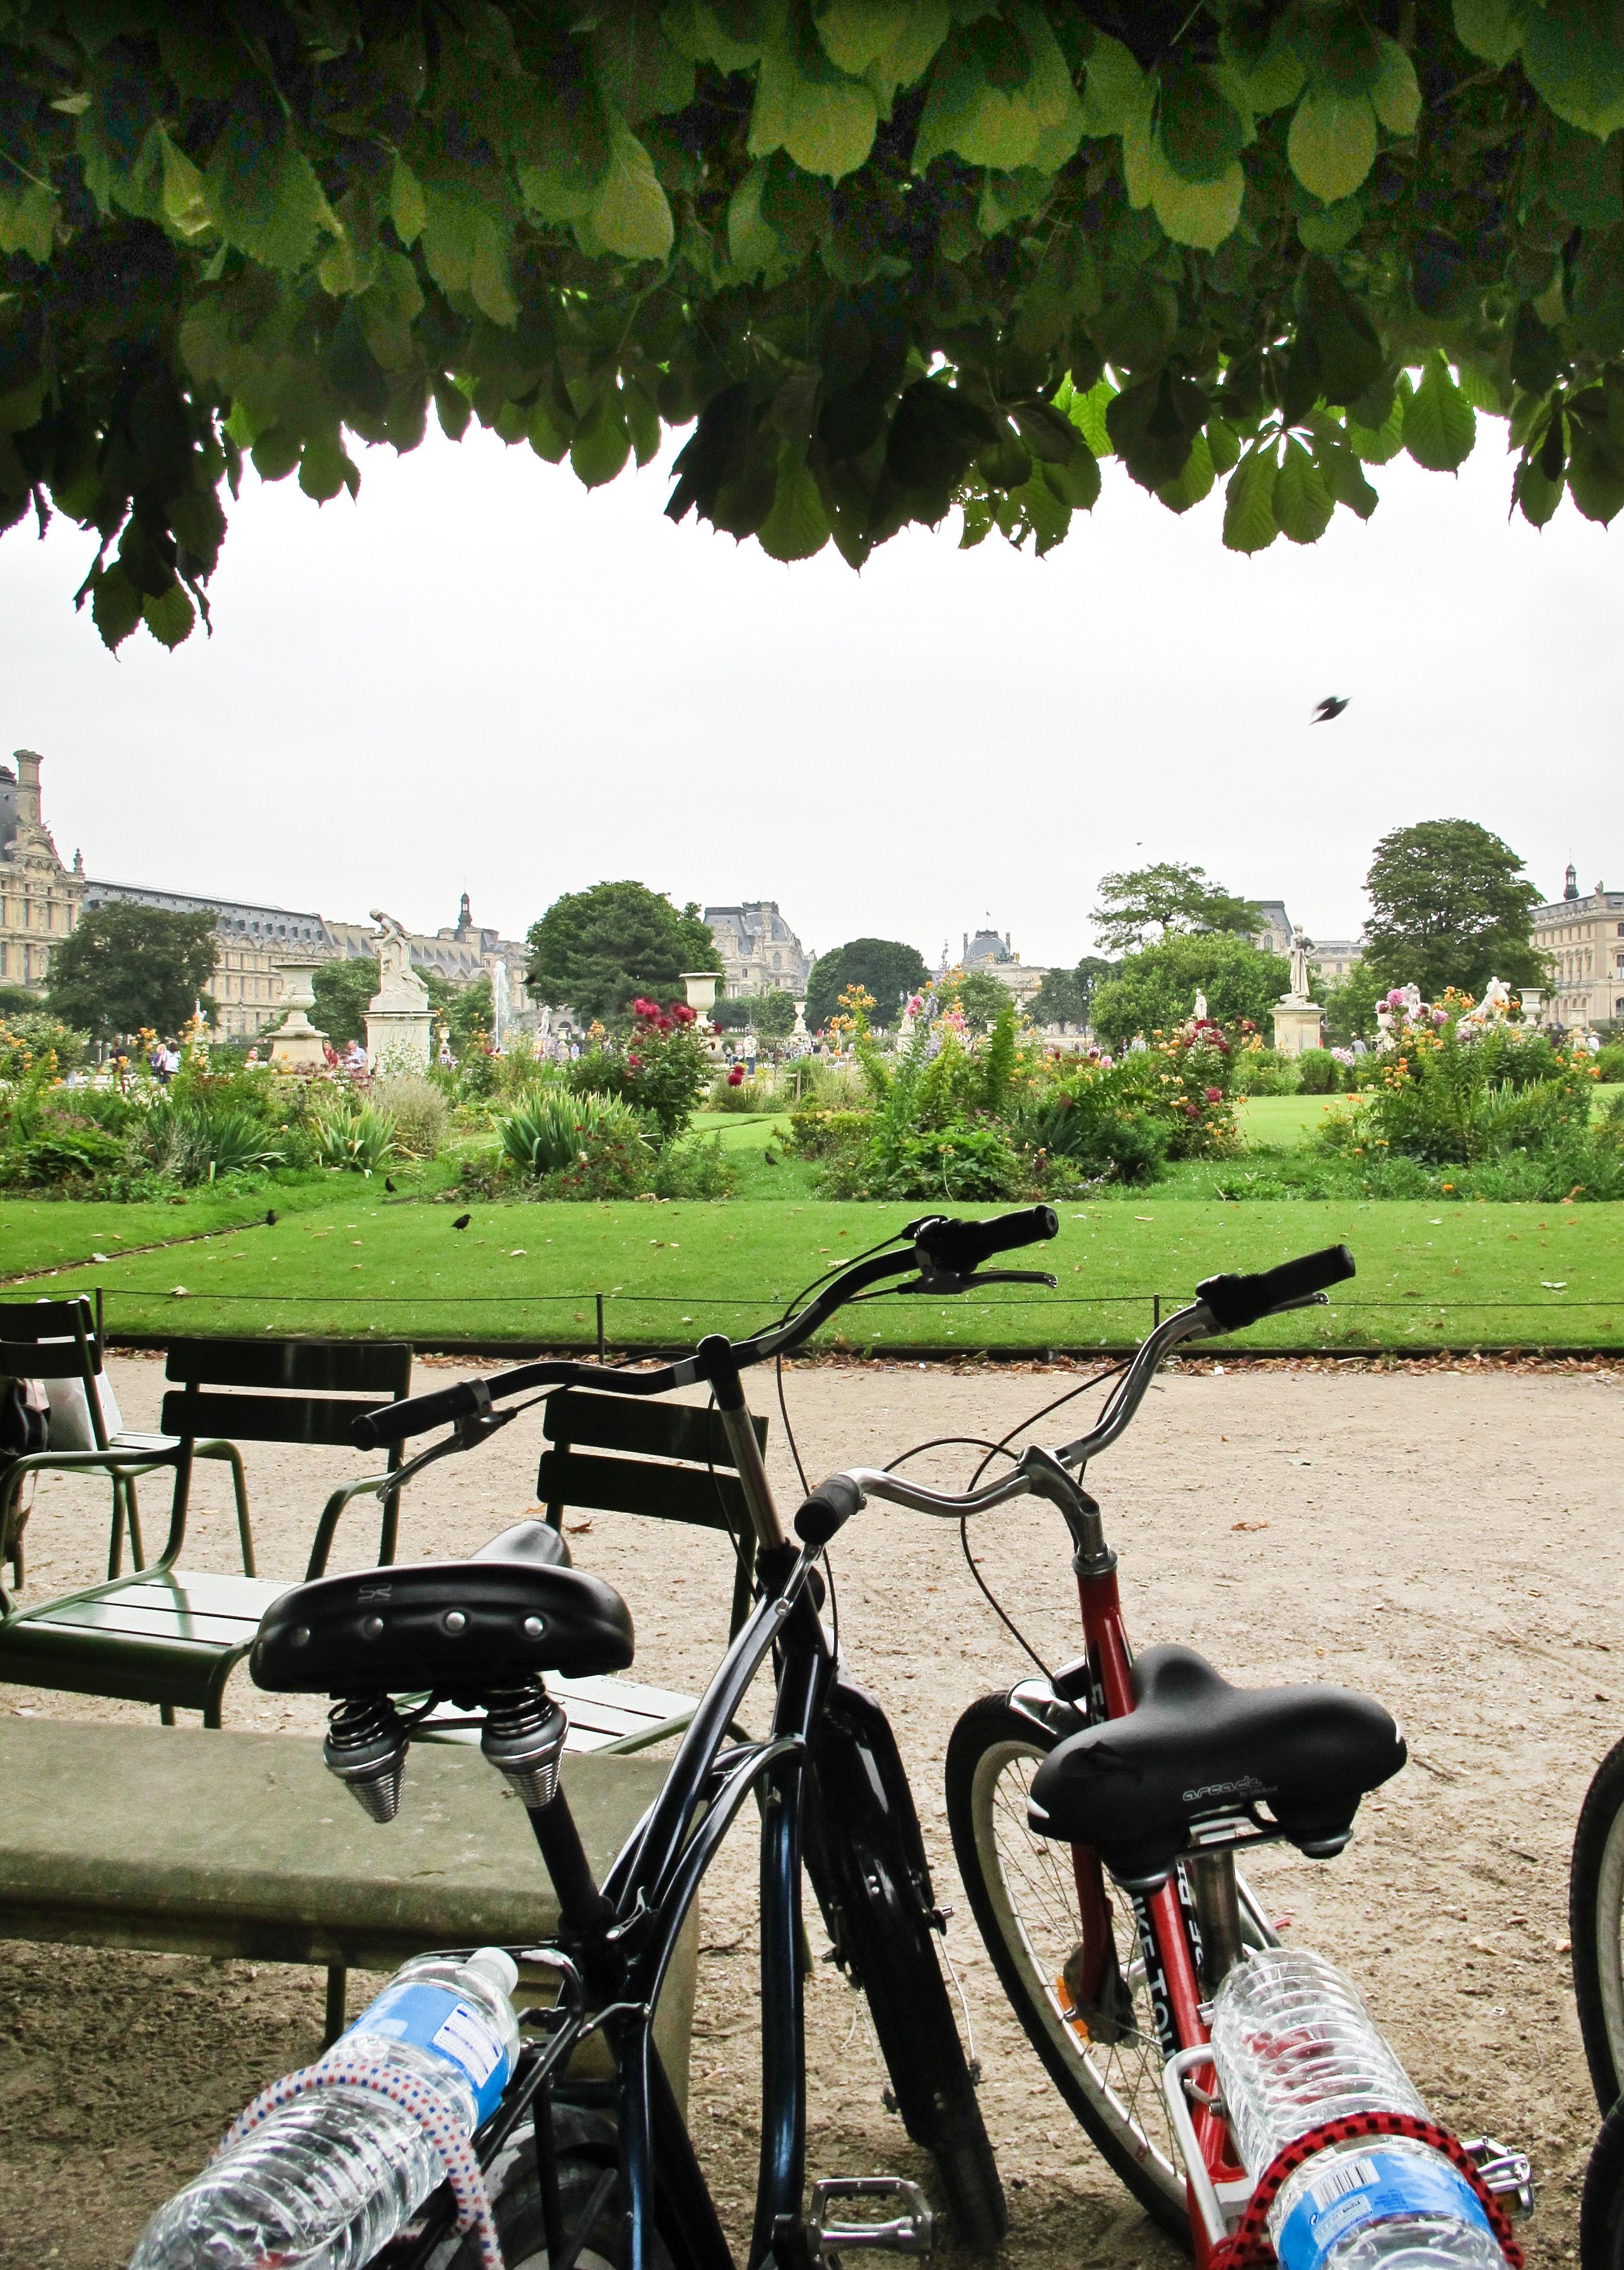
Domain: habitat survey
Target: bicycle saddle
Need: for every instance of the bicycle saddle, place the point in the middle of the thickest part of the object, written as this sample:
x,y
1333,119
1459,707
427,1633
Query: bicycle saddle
x,y
496,1619
1196,1747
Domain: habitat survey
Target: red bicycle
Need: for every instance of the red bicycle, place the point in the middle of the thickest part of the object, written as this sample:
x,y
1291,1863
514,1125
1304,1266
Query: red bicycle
x,y
1097,1814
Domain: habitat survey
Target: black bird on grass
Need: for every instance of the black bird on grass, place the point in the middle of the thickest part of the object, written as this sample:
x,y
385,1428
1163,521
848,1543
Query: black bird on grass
x,y
271,1217
771,1157
1332,706
462,1221
389,1184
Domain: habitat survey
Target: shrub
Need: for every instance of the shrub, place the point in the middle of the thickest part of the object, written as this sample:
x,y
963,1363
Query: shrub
x,y
418,1108
1610,1063
1094,1121
1318,1072
354,1136
1442,1100
728,1094
696,1169
551,1131
661,1071
1264,1072
193,1140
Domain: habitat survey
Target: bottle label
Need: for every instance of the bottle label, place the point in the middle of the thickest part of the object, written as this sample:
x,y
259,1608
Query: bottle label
x,y
437,2019
1348,2193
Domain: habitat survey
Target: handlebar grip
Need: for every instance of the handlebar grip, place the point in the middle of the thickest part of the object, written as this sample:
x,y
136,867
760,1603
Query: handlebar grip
x,y
828,1508
956,1247
415,1415
1238,1301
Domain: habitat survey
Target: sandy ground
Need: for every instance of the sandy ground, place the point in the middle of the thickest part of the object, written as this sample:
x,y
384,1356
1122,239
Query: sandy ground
x,y
1447,1541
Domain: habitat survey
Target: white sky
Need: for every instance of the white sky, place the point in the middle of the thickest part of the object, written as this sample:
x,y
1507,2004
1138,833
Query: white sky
x,y
481,678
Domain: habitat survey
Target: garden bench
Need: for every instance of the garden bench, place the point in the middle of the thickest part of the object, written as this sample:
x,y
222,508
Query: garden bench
x,y
264,1858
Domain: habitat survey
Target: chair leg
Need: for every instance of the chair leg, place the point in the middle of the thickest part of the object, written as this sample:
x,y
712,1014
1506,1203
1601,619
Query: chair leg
x,y
240,1488
115,1540
337,1984
166,1714
137,1551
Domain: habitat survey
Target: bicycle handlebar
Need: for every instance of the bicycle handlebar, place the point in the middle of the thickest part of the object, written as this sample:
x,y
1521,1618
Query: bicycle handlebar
x,y
1236,1302
944,1250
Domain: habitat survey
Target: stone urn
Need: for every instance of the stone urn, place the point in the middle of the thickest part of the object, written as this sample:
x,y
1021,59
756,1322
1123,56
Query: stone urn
x,y
297,1045
700,986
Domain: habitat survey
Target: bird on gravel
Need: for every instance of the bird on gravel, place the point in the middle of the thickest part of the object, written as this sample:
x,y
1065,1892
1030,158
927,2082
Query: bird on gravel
x,y
389,1184
462,1221
1332,706
271,1217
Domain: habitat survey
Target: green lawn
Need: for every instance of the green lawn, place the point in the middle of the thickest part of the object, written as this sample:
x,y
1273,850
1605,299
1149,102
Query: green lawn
x,y
1286,1119
1471,1274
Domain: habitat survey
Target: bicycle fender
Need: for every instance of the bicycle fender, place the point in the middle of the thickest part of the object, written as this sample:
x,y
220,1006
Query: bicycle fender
x,y
860,1782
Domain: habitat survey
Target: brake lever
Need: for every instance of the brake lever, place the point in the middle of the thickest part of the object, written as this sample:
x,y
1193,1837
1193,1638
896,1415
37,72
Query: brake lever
x,y
942,1283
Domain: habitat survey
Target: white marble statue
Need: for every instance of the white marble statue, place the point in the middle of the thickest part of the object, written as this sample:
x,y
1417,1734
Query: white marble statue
x,y
501,1005
1301,977
1200,1007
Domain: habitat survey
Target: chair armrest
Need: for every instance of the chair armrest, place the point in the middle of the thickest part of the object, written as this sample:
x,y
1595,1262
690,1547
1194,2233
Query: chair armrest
x,y
144,1461
379,1485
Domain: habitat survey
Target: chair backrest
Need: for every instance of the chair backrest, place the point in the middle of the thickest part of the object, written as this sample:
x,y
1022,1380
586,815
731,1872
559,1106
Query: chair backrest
x,y
48,1340
281,1390
671,1463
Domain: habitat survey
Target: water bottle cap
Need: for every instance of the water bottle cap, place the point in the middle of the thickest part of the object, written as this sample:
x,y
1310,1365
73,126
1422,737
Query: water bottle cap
x,y
497,1964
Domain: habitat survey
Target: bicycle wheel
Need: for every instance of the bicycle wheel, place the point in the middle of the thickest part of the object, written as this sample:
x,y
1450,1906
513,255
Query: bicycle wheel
x,y
1596,1926
873,1884
1601,2208
1023,1893
587,2186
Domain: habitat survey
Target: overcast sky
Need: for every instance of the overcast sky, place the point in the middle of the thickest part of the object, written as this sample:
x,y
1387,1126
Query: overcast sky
x,y
481,678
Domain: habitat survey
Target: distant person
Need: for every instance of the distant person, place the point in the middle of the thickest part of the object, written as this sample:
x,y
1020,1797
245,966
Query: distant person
x,y
354,1058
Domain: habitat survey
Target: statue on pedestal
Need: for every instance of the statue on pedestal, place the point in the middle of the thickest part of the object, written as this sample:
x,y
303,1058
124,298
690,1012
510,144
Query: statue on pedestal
x,y
397,1020
1302,980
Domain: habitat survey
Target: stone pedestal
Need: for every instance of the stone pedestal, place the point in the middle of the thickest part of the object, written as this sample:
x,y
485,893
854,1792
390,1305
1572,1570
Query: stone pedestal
x,y
397,1040
297,1045
1297,1025
700,986
799,1033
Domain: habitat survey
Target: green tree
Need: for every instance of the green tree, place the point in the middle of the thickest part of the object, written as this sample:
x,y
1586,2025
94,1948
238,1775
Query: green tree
x,y
894,258
1350,1004
771,1014
1064,996
981,996
127,966
1449,905
885,966
1149,903
1153,989
342,991
595,951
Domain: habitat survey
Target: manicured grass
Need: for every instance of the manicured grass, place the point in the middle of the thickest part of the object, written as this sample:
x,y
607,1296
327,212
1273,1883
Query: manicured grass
x,y
1286,1119
1468,1275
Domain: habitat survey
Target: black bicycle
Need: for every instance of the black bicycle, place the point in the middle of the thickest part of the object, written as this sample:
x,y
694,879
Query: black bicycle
x,y
576,2170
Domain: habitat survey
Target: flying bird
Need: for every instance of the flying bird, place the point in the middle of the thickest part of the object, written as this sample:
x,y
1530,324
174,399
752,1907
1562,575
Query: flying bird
x,y
1332,706
462,1221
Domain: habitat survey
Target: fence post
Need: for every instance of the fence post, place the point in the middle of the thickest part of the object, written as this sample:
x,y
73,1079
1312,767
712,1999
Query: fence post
x,y
599,1299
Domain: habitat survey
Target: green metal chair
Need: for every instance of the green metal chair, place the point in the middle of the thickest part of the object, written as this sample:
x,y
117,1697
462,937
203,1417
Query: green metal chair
x,y
57,1340
667,1462
173,1636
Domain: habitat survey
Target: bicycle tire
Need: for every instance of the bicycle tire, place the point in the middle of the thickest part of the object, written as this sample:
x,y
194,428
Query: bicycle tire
x,y
1596,1926
586,2156
1601,2205
873,1884
1022,1895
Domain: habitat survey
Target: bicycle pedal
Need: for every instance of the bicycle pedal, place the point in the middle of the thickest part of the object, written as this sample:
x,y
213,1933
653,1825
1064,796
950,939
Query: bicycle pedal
x,y
911,2231
1508,2175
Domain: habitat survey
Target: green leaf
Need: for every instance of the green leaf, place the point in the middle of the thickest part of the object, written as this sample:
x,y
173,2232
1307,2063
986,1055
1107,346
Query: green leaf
x,y
1537,494
185,202
325,466
170,616
1086,411
1249,524
1036,122
276,453
1375,444
1301,501
1199,132
1397,94
858,33
489,285
544,433
1223,444
752,245
1195,482
1333,228
1114,90
407,208
798,525
827,125
1197,214
1440,425
642,422
632,215
115,606
263,193
642,74
27,219
1595,473
1331,144
1490,28
1343,477
1274,80
1076,482
1573,52
601,446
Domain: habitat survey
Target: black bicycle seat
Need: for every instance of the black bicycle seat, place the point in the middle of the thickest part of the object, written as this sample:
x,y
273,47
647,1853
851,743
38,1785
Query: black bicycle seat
x,y
1197,1747
512,1610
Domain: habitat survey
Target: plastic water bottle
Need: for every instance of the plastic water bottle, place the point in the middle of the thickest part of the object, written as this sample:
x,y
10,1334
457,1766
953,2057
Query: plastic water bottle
x,y
327,2179
1294,2047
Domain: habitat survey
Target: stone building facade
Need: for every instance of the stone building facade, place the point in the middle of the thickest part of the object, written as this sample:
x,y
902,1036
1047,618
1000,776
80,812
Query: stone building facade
x,y
995,957
1581,939
252,941
40,898
760,951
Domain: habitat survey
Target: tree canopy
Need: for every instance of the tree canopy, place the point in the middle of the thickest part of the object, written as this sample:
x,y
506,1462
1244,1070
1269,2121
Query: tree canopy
x,y
884,967
892,255
1154,988
595,951
342,991
125,966
1449,905
1148,904
1063,996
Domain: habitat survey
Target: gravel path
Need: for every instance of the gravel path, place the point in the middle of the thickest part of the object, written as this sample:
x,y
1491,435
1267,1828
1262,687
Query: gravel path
x,y
1448,1540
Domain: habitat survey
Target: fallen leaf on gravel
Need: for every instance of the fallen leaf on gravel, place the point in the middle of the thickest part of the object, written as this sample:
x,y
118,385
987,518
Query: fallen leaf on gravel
x,y
1249,1525
579,1528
